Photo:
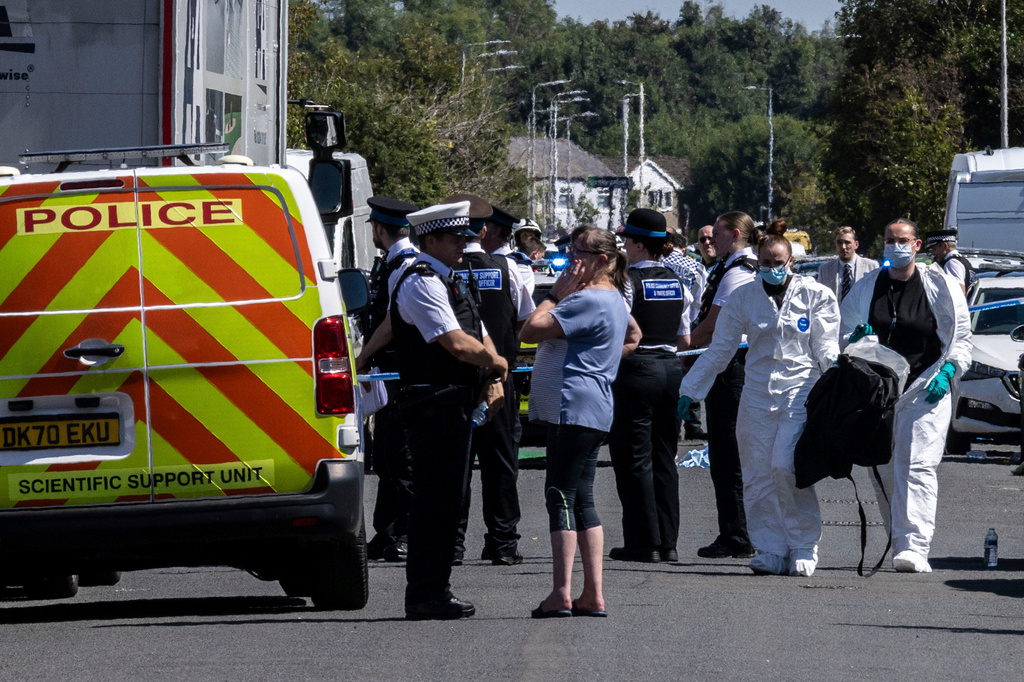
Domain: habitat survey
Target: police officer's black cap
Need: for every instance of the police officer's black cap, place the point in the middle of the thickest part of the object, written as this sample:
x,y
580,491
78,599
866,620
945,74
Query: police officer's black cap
x,y
644,222
390,211
480,210
504,218
936,236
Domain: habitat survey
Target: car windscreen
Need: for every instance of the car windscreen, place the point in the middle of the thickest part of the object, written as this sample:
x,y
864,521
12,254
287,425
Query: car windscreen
x,y
998,320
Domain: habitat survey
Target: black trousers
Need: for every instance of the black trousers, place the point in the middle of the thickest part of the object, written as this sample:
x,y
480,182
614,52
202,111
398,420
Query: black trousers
x,y
439,433
495,446
392,463
722,405
642,445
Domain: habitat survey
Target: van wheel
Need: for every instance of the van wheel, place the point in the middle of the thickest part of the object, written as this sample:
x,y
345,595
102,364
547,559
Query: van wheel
x,y
339,578
957,443
54,587
98,578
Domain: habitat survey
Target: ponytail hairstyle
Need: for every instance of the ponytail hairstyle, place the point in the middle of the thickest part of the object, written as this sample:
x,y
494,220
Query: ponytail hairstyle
x,y
603,242
738,220
667,248
771,240
778,227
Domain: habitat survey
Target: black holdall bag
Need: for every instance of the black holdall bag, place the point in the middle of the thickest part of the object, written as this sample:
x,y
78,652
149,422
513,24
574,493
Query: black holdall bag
x,y
849,421
850,412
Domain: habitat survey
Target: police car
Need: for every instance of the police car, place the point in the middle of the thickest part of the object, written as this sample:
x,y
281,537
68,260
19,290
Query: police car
x,y
176,383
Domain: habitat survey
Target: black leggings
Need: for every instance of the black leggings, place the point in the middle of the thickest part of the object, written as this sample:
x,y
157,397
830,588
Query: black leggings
x,y
569,484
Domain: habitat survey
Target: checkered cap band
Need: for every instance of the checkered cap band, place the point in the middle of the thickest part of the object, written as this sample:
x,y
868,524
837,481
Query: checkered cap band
x,y
442,224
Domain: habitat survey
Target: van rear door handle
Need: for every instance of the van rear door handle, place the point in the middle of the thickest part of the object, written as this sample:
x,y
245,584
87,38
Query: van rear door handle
x,y
94,352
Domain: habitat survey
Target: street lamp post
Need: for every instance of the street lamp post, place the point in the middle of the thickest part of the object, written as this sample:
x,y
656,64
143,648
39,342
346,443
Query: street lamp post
x,y
531,166
568,139
625,132
1004,118
483,44
642,155
573,96
771,145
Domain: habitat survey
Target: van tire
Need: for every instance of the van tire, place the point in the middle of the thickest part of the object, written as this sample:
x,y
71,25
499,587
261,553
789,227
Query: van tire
x,y
339,579
53,587
99,578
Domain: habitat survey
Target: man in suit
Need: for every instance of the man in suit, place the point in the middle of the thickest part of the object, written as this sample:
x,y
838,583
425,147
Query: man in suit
x,y
841,274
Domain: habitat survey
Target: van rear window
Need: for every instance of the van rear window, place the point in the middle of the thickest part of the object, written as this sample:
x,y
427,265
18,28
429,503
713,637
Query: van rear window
x,y
218,245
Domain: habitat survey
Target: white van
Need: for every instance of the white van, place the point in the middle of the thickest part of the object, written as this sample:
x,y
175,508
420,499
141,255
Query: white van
x,y
985,199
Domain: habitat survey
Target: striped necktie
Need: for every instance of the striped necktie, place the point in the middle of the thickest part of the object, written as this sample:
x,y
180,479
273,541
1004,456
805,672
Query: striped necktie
x,y
847,281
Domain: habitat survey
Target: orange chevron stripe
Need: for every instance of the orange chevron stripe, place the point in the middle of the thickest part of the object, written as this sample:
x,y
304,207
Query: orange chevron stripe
x,y
185,433
97,325
74,466
233,283
49,276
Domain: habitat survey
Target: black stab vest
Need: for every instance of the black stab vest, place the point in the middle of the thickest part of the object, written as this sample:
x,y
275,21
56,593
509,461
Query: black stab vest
x,y
658,303
969,275
420,362
715,279
380,299
495,290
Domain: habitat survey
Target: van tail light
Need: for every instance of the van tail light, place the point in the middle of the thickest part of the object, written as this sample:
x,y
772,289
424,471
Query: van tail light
x,y
332,368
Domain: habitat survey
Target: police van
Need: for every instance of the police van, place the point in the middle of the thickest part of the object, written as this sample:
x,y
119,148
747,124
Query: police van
x,y
176,378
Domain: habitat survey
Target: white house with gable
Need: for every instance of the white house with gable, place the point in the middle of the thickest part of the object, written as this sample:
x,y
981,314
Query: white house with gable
x,y
582,177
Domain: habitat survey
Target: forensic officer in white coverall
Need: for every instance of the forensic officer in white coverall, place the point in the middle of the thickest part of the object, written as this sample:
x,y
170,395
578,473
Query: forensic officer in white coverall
x,y
920,312
792,327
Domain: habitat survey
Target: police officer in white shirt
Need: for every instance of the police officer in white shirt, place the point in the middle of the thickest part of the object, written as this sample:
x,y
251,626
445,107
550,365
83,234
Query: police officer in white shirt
x,y
447,365
737,265
390,452
942,244
503,305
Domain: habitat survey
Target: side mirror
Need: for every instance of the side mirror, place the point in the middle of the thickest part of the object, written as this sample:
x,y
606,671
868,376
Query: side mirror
x,y
1018,334
355,290
325,131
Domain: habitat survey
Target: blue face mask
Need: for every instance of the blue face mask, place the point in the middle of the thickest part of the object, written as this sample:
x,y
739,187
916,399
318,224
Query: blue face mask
x,y
774,276
898,255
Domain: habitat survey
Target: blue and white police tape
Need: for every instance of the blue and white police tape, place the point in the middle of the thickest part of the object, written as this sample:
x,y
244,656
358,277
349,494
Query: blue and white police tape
x,y
995,306
393,376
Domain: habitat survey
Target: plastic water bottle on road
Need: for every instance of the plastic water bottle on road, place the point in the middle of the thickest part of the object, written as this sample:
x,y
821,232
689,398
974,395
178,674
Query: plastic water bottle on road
x,y
991,548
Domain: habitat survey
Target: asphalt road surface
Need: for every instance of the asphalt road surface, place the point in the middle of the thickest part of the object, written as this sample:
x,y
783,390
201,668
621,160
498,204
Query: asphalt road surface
x,y
695,619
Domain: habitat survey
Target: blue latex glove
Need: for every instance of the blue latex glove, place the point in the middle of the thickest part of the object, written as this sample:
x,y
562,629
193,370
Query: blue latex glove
x,y
939,386
860,331
683,409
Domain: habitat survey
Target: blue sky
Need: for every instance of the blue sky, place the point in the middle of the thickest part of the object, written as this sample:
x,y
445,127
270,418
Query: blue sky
x,y
812,13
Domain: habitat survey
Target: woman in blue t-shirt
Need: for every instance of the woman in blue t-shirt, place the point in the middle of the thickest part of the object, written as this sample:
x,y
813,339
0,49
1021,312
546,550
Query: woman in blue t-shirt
x,y
581,331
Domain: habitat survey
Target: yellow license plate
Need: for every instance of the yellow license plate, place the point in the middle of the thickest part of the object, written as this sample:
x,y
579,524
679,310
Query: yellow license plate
x,y
60,431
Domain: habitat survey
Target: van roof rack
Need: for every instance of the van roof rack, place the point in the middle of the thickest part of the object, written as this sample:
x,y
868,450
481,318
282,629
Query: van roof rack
x,y
65,158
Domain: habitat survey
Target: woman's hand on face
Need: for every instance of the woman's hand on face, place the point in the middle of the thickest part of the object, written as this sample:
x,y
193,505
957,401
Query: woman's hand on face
x,y
569,282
